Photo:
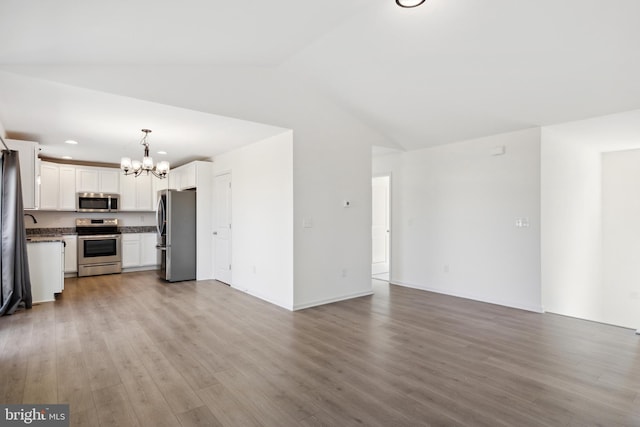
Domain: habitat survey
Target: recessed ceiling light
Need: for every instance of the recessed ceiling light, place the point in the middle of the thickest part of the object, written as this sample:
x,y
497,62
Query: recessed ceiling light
x,y
67,157
162,152
409,3
71,141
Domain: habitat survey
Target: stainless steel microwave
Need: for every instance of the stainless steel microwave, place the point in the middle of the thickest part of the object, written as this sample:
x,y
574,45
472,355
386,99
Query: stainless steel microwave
x,y
97,202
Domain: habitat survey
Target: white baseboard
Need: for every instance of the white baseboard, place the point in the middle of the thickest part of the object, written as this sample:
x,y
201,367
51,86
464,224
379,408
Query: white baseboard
x,y
331,300
263,298
510,304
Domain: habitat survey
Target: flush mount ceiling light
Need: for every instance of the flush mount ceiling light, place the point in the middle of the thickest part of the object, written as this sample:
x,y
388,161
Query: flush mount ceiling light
x,y
136,168
409,3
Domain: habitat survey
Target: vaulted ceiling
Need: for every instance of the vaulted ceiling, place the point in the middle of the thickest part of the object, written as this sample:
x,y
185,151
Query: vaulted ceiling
x,y
209,76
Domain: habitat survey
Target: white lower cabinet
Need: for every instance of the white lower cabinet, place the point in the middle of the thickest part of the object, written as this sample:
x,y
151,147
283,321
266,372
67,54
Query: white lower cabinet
x,y
139,250
130,250
70,253
148,251
46,264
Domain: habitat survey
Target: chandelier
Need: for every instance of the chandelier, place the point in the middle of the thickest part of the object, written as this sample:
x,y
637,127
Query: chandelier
x,y
136,168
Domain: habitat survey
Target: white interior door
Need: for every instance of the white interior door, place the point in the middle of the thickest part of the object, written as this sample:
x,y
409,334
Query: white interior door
x,y
380,225
222,228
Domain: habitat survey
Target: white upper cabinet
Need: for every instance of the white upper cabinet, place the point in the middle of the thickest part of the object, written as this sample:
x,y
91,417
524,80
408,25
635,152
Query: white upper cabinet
x,y
28,153
188,176
110,180
60,184
127,193
57,187
144,192
97,180
158,185
50,186
185,177
87,180
136,193
67,188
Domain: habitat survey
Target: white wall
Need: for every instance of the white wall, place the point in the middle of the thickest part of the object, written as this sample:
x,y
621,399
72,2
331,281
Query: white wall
x,y
262,217
333,256
3,133
621,238
453,219
587,240
571,227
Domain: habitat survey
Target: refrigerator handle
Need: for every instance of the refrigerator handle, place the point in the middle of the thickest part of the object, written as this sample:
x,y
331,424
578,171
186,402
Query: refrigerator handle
x,y
159,208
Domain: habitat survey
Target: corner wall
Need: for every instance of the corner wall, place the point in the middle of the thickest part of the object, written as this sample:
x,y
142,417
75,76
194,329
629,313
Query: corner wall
x,y
454,209
332,242
262,217
572,226
589,210
621,238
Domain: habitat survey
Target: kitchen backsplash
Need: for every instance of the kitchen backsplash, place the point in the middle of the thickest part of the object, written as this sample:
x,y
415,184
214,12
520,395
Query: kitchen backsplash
x,y
66,220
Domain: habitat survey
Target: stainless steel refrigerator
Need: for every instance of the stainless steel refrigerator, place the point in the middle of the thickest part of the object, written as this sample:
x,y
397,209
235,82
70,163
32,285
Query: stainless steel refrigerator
x,y
176,218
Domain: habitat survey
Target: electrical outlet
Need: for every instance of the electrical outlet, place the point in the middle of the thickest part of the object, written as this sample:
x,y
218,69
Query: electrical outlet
x,y
344,272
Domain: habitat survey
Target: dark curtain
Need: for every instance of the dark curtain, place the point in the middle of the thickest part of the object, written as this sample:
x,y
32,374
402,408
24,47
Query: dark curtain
x,y
16,283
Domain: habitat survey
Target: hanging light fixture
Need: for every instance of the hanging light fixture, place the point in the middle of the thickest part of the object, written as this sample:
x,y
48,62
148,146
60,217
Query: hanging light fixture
x,y
136,168
409,3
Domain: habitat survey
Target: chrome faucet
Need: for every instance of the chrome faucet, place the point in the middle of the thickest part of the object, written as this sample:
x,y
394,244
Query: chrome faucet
x,y
35,221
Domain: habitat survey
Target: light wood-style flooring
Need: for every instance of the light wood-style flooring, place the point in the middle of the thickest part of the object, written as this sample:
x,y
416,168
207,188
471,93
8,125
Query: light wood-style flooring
x,y
129,350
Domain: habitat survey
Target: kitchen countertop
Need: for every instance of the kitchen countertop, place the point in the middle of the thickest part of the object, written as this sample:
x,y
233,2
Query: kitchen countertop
x,y
60,231
54,231
41,239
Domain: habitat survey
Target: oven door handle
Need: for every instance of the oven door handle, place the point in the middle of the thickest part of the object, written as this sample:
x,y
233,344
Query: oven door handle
x,y
101,236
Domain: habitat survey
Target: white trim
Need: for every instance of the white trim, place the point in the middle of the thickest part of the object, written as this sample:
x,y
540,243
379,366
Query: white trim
x,y
269,300
637,331
390,201
511,304
331,300
216,175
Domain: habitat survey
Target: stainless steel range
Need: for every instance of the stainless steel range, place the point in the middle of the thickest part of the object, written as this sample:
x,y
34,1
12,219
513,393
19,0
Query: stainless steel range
x,y
99,246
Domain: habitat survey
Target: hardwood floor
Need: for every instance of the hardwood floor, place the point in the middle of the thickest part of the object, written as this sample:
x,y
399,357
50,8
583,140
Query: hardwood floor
x,y
128,350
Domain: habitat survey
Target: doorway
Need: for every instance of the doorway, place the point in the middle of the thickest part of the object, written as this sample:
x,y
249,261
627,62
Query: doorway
x,y
381,227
